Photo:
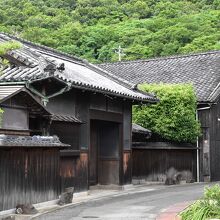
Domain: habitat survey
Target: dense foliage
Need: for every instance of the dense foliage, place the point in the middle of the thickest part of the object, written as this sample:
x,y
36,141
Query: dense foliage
x,y
7,46
174,117
206,208
4,48
93,29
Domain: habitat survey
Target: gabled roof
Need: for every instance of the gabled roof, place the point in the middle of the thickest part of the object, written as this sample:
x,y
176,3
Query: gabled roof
x,y
7,92
139,129
34,62
66,118
201,69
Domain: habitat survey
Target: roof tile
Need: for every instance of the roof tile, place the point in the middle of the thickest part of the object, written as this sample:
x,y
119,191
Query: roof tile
x,y
201,69
31,141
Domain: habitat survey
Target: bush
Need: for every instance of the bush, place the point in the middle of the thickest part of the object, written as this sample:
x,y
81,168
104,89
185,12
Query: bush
x,y
206,208
174,117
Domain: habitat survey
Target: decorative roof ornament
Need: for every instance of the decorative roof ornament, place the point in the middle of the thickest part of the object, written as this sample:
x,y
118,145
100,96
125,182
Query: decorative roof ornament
x,y
50,68
61,67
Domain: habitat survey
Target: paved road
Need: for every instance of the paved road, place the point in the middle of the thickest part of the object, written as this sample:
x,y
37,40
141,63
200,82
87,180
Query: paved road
x,y
142,204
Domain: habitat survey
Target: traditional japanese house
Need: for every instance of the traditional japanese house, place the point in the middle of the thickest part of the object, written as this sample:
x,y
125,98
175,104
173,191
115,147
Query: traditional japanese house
x,y
29,165
203,71
90,108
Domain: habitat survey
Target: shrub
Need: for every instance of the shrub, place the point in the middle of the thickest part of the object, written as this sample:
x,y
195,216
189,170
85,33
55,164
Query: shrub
x,y
206,208
174,117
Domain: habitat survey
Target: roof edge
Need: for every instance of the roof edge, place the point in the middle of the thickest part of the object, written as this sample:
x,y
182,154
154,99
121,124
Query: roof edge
x,y
42,47
24,89
177,56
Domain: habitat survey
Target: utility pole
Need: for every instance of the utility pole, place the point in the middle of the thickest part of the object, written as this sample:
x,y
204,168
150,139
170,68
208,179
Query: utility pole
x,y
120,53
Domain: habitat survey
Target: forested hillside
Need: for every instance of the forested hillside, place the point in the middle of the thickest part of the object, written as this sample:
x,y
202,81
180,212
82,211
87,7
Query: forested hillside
x,y
93,29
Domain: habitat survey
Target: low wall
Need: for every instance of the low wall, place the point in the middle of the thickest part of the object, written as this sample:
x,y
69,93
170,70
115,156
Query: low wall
x,y
28,175
152,160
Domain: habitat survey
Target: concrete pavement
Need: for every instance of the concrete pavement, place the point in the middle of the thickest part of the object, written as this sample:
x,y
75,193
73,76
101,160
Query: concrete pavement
x,y
143,202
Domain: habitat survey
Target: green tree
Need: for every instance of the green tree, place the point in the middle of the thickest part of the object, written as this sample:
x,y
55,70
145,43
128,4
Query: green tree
x,y
174,117
89,28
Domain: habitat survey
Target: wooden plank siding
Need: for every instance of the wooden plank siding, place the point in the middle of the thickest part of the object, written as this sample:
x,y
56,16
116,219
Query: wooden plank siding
x,y
205,142
74,171
215,142
152,164
127,166
28,176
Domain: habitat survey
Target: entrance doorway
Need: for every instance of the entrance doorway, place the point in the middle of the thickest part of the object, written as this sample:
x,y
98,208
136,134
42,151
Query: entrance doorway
x,y
104,152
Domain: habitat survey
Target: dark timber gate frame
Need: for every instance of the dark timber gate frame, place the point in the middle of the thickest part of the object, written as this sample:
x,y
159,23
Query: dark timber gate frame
x,y
112,165
87,107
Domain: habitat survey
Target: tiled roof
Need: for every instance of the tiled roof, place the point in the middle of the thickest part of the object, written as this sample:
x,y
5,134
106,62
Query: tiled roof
x,y
28,141
202,70
32,61
6,91
9,91
66,118
139,129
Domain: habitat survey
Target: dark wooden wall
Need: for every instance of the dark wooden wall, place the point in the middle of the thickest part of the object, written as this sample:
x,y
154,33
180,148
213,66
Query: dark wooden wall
x,y
73,172
63,104
127,167
152,164
74,162
67,132
205,143
209,143
28,176
215,142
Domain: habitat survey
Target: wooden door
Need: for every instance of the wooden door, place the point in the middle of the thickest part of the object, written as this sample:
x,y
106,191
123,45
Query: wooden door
x,y
104,152
108,161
